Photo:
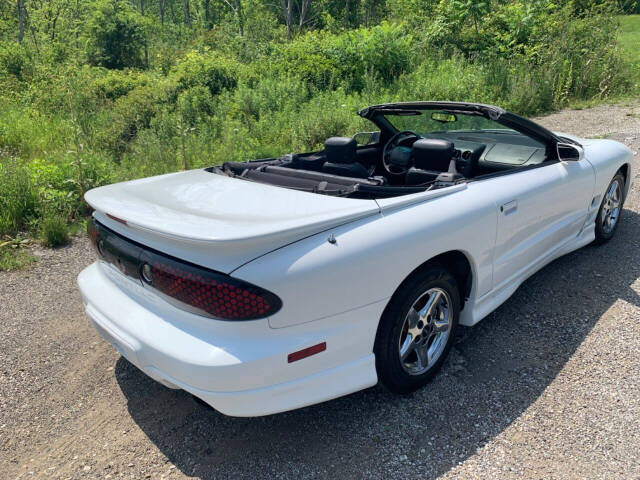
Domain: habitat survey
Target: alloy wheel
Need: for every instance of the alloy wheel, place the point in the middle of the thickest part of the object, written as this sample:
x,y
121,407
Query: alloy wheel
x,y
611,207
425,331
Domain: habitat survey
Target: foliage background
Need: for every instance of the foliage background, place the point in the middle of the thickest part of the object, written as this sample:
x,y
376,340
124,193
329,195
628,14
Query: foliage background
x,y
98,91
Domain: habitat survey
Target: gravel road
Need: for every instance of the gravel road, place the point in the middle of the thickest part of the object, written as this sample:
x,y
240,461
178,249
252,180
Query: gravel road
x,y
548,386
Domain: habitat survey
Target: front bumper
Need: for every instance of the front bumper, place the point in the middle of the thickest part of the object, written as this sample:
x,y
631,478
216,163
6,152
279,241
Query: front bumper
x,y
239,368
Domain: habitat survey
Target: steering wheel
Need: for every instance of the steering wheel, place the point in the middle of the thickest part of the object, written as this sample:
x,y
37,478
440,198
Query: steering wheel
x,y
389,166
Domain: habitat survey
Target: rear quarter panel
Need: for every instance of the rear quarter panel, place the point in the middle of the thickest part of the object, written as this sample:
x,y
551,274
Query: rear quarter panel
x,y
371,257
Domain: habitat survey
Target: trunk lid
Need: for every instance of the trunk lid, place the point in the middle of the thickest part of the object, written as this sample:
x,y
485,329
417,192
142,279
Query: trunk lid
x,y
217,221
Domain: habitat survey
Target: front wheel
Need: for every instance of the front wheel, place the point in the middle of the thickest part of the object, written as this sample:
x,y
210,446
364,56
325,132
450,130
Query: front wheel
x,y
610,210
417,330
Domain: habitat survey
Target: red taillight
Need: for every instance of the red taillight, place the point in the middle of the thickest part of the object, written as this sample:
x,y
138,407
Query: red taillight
x,y
307,352
187,286
206,291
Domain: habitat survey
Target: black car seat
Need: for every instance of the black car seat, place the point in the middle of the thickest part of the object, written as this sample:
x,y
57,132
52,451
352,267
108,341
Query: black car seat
x,y
341,158
430,157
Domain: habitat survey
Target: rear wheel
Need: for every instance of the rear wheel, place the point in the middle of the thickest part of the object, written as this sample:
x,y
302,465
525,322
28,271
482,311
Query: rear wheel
x,y
610,209
417,330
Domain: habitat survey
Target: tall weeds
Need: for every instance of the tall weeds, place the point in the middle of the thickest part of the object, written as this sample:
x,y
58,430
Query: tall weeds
x,y
66,127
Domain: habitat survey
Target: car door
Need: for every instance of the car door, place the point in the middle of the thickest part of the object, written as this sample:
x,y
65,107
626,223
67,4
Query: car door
x,y
539,209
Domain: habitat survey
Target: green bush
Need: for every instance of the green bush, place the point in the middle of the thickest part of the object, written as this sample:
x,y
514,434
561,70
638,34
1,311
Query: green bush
x,y
584,59
208,69
326,60
453,79
115,35
60,182
113,84
15,60
325,115
629,6
268,95
132,113
624,6
195,105
19,201
29,132
54,231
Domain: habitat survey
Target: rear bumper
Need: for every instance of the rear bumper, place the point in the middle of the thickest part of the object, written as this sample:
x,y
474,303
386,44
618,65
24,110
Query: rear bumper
x,y
239,368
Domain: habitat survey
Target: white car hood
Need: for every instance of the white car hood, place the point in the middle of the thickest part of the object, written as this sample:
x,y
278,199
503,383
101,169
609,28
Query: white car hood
x,y
233,219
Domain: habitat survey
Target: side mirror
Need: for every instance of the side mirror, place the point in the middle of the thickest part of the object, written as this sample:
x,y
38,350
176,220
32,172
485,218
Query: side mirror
x,y
366,138
569,152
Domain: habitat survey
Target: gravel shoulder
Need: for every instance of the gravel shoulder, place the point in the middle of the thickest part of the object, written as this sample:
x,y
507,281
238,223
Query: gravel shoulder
x,y
547,386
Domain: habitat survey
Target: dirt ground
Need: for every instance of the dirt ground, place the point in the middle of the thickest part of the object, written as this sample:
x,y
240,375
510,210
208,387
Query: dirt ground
x,y
548,386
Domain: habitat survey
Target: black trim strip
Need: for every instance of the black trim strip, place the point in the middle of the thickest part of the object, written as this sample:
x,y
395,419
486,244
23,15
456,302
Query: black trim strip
x,y
130,256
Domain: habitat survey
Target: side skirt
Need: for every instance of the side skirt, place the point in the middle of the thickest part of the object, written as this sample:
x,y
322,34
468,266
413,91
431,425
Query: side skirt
x,y
476,310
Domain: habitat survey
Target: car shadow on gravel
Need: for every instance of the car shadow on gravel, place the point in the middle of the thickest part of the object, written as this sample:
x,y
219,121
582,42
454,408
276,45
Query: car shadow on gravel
x,y
496,371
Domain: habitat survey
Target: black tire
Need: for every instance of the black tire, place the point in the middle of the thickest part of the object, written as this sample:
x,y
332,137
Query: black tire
x,y
391,371
604,234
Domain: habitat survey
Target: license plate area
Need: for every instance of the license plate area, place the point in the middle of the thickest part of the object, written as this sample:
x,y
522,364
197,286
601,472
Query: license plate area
x,y
117,251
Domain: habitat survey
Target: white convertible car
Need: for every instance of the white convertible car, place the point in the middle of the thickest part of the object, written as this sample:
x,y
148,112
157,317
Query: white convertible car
x,y
268,285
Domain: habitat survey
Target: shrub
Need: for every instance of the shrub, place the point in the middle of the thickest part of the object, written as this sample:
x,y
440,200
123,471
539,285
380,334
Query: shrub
x,y
326,115
208,69
584,59
19,200
115,35
59,183
624,6
629,6
327,60
132,113
454,79
214,96
195,105
268,95
15,60
54,231
113,84
29,132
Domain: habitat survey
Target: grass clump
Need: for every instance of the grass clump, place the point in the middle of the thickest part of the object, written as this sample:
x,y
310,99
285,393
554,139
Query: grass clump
x,y
18,198
14,259
54,231
13,256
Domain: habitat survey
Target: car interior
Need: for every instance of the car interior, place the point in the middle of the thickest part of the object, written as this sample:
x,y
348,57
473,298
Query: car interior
x,y
396,160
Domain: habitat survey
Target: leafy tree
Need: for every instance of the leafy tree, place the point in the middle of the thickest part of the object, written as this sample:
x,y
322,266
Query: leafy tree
x,y
630,6
115,35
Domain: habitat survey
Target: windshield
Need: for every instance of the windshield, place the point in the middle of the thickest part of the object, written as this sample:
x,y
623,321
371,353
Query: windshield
x,y
437,121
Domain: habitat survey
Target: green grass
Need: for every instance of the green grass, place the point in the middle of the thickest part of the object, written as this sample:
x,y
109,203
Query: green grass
x,y
14,258
629,37
54,231
629,42
629,48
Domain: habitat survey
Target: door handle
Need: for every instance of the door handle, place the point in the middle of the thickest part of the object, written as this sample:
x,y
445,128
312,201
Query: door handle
x,y
509,207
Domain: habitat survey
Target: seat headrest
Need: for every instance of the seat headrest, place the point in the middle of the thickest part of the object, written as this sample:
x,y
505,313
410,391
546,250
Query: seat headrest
x,y
340,150
432,154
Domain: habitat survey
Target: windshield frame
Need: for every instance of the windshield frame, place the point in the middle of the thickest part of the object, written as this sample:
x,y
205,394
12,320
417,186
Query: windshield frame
x,y
375,114
492,125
